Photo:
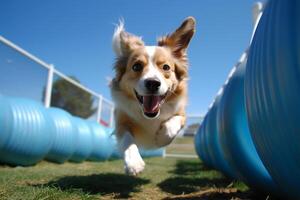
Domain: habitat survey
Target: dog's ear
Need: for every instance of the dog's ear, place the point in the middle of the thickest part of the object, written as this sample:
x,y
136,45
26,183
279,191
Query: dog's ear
x,y
124,42
178,41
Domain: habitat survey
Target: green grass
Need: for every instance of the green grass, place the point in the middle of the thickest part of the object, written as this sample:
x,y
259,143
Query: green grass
x,y
162,178
182,145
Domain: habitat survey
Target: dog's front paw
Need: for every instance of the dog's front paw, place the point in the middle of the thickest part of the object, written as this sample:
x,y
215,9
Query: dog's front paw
x,y
168,131
134,163
165,135
134,167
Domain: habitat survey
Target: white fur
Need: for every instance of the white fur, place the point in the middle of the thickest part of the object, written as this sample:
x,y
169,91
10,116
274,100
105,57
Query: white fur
x,y
150,51
152,72
116,41
133,162
168,131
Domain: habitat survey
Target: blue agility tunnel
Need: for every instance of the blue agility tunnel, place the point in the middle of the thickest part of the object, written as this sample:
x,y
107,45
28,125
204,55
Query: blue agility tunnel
x,y
63,146
102,143
213,145
151,152
235,138
84,140
29,133
272,89
200,145
25,131
204,146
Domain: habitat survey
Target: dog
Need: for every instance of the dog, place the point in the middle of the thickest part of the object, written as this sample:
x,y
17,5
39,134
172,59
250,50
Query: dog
x,y
149,90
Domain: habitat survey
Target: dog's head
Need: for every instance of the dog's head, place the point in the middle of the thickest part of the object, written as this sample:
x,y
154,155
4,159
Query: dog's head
x,y
151,75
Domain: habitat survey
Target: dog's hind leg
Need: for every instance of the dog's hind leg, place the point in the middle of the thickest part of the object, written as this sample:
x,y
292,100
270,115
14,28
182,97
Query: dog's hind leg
x,y
133,162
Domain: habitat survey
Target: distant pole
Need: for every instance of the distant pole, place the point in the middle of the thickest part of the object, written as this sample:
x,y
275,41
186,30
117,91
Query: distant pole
x,y
164,153
48,91
99,108
257,11
111,120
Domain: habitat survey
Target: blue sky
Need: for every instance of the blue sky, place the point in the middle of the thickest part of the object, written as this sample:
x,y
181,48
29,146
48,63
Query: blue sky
x,y
75,36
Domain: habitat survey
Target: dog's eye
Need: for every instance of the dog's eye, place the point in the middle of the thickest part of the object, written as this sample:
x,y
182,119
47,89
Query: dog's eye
x,y
137,67
166,67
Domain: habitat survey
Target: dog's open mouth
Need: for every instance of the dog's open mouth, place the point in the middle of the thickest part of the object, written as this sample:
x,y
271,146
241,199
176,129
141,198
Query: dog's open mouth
x,y
151,104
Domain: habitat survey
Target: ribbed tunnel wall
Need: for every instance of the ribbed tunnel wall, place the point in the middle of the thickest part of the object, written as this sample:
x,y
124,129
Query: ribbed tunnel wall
x,y
252,130
29,132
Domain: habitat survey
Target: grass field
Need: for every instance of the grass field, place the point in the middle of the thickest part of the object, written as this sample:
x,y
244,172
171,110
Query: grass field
x,y
163,178
182,145
168,178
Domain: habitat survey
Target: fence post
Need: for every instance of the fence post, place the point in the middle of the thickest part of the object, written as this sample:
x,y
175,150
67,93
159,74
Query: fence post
x,y
256,14
164,153
111,119
99,108
48,92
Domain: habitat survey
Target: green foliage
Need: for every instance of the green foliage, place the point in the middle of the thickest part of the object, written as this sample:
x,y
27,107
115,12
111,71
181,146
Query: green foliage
x,y
71,98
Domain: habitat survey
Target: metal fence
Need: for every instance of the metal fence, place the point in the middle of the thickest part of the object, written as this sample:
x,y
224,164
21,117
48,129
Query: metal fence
x,y
24,75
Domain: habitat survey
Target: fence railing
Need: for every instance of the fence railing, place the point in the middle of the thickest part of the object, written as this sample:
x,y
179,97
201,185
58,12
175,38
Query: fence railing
x,y
16,64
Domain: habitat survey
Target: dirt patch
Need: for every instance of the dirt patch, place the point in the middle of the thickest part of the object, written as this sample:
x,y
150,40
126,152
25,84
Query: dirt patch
x,y
215,194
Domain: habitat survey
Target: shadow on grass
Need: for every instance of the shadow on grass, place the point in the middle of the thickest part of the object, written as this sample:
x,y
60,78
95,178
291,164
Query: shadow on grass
x,y
187,185
186,181
190,167
118,185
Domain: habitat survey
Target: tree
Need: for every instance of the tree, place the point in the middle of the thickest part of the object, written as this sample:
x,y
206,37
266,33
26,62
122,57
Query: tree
x,y
71,98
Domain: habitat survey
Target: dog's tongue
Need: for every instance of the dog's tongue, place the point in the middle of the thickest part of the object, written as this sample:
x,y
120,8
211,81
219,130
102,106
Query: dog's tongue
x,y
151,104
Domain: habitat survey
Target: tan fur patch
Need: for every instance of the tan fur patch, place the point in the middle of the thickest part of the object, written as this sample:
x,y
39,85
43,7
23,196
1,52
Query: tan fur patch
x,y
179,40
125,123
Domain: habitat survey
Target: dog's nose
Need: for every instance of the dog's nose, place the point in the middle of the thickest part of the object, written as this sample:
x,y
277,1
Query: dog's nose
x,y
152,85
